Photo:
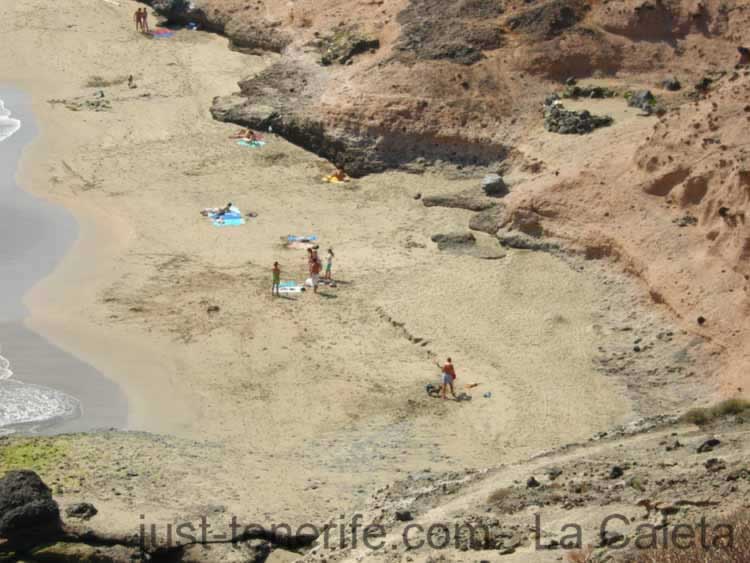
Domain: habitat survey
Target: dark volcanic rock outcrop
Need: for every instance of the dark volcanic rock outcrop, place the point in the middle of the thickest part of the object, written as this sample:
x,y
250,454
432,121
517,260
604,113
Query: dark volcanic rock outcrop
x,y
449,30
245,31
28,514
285,98
548,19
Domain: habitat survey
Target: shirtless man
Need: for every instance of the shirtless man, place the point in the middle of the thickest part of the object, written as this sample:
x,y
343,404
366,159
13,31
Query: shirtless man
x,y
137,18
447,377
144,20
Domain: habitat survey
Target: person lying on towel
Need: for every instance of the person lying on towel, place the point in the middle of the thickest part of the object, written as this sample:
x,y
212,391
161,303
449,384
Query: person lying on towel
x,y
217,211
246,135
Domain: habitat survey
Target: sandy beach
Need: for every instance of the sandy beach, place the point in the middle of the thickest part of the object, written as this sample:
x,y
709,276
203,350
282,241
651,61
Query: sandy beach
x,y
326,388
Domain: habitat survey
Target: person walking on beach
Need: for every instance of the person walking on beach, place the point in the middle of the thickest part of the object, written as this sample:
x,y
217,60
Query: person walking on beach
x,y
447,377
276,279
329,265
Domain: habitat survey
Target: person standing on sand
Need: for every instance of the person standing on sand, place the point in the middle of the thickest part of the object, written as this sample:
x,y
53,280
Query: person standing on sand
x,y
315,272
138,20
276,279
329,265
144,20
447,377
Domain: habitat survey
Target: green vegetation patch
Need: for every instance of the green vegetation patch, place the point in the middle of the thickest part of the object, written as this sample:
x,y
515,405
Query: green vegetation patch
x,y
37,454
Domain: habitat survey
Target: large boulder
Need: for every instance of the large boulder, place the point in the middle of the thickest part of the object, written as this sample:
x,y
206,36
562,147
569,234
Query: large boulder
x,y
463,200
28,514
490,220
494,186
81,510
453,239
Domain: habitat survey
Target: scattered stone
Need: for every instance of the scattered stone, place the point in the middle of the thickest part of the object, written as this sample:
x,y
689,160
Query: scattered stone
x,y
553,473
81,510
701,320
737,474
566,122
616,472
608,538
708,445
404,516
674,446
28,514
467,201
490,220
69,551
671,84
343,45
418,195
532,483
686,220
593,92
211,309
714,465
494,186
512,239
453,239
704,84
643,100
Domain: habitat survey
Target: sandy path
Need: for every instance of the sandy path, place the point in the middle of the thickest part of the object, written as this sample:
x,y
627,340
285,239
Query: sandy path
x,y
320,387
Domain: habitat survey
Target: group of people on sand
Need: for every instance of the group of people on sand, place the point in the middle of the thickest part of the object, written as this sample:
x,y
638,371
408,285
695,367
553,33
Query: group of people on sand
x,y
314,267
141,20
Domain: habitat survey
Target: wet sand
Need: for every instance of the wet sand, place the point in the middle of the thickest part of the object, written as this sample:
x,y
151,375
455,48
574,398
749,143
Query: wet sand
x,y
35,236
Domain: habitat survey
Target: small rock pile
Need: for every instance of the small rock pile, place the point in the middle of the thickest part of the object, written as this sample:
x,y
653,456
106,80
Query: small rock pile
x,y
645,101
557,119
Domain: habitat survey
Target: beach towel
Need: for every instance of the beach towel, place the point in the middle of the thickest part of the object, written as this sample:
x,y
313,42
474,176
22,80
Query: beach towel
x,y
161,33
230,219
288,287
333,180
251,144
296,238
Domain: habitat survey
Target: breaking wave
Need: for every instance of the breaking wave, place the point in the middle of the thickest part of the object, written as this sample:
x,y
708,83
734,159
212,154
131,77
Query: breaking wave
x,y
8,125
23,405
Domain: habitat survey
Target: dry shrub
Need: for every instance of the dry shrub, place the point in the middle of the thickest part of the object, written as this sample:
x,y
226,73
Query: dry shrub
x,y
499,496
580,555
725,408
715,549
99,82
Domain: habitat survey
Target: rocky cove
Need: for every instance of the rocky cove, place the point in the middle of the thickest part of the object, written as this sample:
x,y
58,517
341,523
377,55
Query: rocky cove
x,y
591,286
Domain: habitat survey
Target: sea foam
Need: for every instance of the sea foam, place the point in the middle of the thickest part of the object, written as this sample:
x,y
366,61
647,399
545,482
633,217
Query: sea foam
x,y
8,125
30,406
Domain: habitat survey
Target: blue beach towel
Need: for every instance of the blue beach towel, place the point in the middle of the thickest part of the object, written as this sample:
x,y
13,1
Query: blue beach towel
x,y
230,219
229,222
251,144
296,238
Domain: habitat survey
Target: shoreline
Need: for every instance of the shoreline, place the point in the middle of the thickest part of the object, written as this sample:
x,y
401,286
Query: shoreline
x,y
42,372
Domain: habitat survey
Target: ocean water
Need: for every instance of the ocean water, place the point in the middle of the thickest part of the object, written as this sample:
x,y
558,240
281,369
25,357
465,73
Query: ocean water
x,y
23,406
31,407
